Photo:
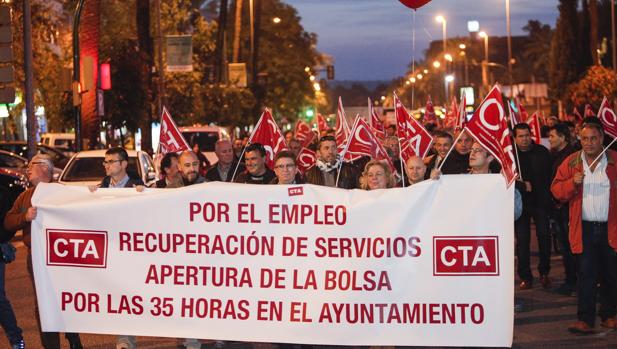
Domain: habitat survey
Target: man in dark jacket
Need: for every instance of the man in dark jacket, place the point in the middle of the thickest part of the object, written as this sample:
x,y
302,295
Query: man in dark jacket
x,y
224,169
559,139
256,170
328,163
171,172
535,172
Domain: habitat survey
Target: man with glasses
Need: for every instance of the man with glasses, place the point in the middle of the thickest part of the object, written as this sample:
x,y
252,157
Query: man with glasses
x,y
20,216
256,170
286,169
115,163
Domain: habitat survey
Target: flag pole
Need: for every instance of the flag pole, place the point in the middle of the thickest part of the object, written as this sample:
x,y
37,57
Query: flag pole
x,y
602,153
400,157
338,171
450,151
518,163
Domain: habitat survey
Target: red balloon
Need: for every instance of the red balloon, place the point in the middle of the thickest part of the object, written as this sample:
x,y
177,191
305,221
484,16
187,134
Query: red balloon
x,y
414,4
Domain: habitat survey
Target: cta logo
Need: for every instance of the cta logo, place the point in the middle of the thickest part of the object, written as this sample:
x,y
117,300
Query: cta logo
x,y
295,191
77,248
466,255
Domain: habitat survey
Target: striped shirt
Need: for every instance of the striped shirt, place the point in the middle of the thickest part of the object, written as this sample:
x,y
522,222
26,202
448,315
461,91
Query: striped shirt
x,y
596,191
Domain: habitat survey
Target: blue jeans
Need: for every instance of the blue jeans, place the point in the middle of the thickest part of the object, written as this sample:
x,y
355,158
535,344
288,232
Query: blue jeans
x,y
598,262
7,316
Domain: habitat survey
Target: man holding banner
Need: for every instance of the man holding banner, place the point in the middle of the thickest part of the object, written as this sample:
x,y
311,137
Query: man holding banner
x,y
587,180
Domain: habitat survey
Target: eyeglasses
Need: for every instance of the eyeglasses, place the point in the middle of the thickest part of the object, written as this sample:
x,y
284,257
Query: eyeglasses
x,y
285,167
110,162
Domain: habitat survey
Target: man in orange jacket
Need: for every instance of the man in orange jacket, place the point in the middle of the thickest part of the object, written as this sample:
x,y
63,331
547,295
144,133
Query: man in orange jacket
x,y
589,188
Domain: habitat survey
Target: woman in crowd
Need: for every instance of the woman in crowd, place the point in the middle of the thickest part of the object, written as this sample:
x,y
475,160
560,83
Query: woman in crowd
x,y
376,175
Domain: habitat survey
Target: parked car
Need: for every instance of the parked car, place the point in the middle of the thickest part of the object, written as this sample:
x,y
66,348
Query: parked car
x,y
63,141
206,136
21,148
86,167
18,164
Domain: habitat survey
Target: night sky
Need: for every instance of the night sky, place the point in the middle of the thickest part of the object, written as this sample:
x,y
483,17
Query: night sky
x,y
371,39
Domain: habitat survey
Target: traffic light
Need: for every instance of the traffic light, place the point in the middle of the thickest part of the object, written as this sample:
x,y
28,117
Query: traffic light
x,y
7,72
330,72
309,113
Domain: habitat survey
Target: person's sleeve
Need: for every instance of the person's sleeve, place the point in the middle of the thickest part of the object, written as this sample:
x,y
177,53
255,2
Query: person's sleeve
x,y
15,219
563,187
518,204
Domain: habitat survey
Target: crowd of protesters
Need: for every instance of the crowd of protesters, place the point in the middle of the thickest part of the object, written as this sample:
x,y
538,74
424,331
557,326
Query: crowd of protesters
x,y
561,189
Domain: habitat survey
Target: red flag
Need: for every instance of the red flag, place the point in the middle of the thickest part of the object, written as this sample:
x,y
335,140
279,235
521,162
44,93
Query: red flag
x,y
452,115
534,125
577,115
462,113
589,110
268,134
305,160
363,142
609,120
322,124
303,133
522,113
170,139
375,122
490,128
413,138
429,112
341,128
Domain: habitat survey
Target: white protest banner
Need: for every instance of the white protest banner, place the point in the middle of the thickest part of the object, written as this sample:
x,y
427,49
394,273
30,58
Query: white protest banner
x,y
431,264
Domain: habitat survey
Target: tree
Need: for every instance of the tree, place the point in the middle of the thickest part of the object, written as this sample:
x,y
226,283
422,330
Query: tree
x,y
48,61
285,49
562,64
537,49
595,84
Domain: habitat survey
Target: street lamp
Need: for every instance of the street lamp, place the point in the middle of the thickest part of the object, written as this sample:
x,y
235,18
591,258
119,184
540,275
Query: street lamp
x,y
276,20
484,35
436,64
448,80
448,57
441,19
419,76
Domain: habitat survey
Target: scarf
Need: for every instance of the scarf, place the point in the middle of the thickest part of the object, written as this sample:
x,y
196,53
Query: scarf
x,y
326,166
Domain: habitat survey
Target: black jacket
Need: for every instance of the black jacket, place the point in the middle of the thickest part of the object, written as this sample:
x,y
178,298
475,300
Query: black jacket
x,y
348,178
536,169
247,178
213,173
456,163
133,181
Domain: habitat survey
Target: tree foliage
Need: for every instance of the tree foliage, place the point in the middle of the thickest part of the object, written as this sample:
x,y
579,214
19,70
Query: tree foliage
x,y
597,83
562,66
48,60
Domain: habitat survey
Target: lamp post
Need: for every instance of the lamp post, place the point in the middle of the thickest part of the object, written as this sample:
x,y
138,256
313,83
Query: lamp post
x,y
441,19
76,76
484,35
510,45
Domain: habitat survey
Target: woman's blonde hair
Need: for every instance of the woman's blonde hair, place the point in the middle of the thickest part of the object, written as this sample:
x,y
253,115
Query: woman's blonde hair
x,y
386,170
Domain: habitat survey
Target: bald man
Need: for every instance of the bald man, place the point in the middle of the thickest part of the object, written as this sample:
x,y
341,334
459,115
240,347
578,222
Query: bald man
x,y
415,170
189,168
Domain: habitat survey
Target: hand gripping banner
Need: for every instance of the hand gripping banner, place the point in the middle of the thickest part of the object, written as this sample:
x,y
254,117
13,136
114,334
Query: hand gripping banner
x,y
286,264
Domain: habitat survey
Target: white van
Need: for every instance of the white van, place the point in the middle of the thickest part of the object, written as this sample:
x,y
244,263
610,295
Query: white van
x,y
206,136
62,141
